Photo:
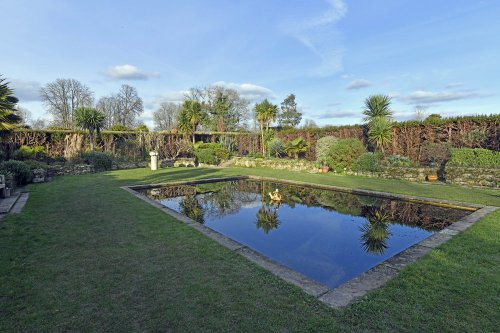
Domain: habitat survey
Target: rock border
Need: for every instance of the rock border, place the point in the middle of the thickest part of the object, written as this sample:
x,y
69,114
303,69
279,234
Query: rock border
x,y
355,288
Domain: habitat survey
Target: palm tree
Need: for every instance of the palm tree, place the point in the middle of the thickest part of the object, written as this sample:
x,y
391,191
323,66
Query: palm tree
x,y
377,106
89,119
266,113
190,116
378,115
8,119
380,132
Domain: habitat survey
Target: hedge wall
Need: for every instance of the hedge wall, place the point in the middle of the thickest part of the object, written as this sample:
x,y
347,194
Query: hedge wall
x,y
409,138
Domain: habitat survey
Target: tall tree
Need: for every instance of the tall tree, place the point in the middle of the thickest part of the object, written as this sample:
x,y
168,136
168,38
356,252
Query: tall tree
x,y
63,96
378,115
190,116
289,116
165,117
380,132
130,105
25,116
89,119
109,106
265,113
227,108
8,102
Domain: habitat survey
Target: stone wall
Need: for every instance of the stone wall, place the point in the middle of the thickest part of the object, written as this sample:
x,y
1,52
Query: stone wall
x,y
276,164
410,174
473,176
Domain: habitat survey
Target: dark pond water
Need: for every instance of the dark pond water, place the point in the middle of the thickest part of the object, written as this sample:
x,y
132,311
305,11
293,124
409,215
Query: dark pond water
x,y
328,236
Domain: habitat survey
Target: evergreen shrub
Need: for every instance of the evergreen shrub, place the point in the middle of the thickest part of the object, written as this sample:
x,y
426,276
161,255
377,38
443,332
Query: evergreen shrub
x,y
343,155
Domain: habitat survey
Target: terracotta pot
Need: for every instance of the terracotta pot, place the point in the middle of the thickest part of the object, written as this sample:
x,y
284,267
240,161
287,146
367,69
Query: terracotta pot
x,y
432,178
173,131
325,168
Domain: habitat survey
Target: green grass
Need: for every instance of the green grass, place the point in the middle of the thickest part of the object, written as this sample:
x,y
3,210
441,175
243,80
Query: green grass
x,y
85,255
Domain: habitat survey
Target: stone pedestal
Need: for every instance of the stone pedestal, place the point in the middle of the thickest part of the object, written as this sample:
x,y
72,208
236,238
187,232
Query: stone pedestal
x,y
154,160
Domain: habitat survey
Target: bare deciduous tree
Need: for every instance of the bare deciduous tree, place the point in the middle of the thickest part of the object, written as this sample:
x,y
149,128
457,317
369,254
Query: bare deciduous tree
x,y
109,106
38,124
63,96
25,115
165,117
130,105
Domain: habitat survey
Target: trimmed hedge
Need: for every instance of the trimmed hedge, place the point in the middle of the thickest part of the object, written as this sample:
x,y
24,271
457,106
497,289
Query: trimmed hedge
x,y
474,157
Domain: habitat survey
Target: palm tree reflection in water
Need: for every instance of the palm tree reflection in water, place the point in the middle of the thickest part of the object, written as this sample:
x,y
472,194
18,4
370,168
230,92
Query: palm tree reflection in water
x,y
375,232
267,215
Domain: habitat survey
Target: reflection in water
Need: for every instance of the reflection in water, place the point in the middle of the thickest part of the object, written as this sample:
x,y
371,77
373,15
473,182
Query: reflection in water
x,y
211,201
325,235
375,232
191,207
267,216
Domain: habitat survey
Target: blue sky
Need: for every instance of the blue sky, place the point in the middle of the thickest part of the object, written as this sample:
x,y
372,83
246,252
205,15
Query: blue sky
x,y
444,55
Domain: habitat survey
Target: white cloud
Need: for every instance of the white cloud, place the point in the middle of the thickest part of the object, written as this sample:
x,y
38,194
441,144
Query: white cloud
x,y
26,91
321,37
429,97
129,72
250,91
359,84
454,85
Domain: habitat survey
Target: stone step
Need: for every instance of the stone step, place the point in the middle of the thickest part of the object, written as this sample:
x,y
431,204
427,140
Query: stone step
x,y
6,204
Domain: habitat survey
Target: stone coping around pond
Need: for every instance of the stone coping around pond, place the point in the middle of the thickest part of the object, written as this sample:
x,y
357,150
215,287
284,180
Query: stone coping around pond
x,y
353,289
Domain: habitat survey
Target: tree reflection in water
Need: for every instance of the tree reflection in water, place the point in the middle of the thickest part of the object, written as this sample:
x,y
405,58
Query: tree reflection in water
x,y
267,217
375,232
191,207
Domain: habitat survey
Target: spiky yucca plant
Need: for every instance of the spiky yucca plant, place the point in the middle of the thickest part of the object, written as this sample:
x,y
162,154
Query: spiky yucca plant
x,y
8,119
380,132
377,106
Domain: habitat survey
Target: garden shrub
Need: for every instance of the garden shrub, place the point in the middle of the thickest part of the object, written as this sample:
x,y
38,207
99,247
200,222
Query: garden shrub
x,y
210,153
398,161
36,165
323,145
276,148
343,155
474,158
26,153
295,147
20,170
229,143
436,154
369,162
206,156
99,160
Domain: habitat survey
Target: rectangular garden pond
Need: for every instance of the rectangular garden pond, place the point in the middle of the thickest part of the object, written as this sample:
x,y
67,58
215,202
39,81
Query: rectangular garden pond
x,y
328,236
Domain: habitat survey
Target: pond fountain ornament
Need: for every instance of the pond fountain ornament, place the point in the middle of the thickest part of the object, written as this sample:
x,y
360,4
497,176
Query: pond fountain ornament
x,y
275,196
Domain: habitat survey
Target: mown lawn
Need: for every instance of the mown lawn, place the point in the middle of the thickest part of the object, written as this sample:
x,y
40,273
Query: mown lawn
x,y
85,255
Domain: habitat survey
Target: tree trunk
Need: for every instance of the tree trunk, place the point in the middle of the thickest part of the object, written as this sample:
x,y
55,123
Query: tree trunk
x,y
262,139
91,139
